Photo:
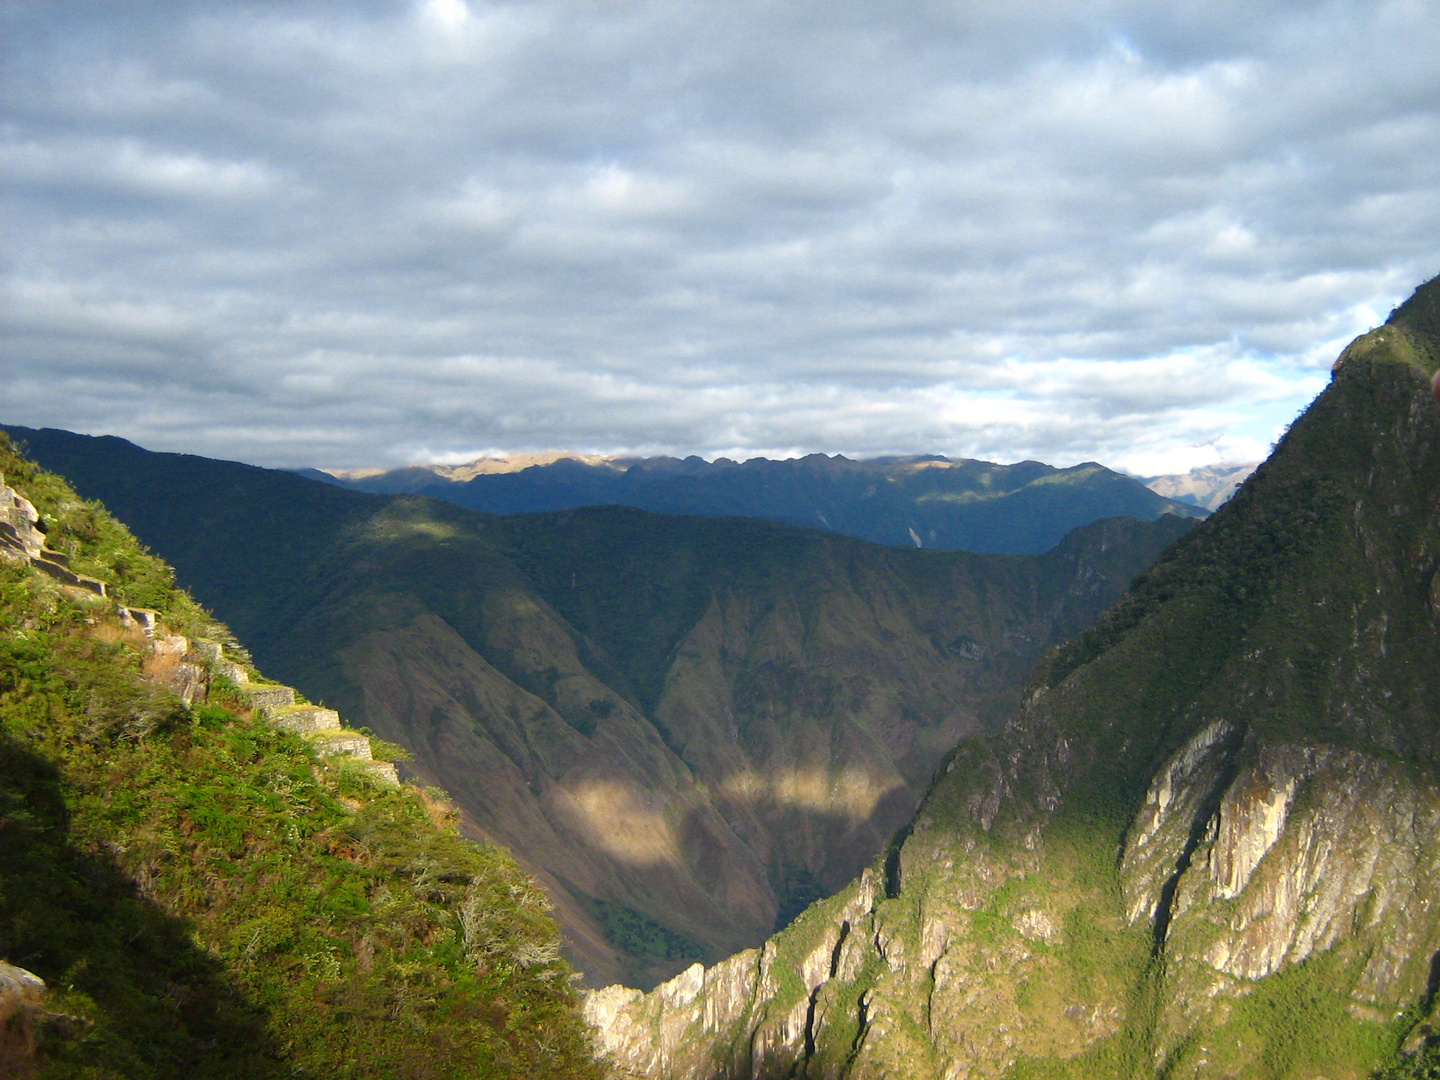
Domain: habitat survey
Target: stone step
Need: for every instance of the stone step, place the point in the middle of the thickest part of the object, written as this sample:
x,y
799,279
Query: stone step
x,y
55,556
348,742
266,698
228,669
145,618
383,770
212,651
304,719
66,576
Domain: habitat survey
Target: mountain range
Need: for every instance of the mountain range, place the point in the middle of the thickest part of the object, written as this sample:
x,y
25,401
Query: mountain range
x,y
687,728
930,501
1207,486
1202,841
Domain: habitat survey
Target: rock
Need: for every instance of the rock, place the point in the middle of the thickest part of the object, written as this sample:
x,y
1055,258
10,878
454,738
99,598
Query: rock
x,y
351,742
22,540
18,988
171,665
22,995
1178,798
304,719
265,699
189,682
227,669
25,1023
211,651
19,524
1037,925
170,646
383,771
321,726
66,576
146,619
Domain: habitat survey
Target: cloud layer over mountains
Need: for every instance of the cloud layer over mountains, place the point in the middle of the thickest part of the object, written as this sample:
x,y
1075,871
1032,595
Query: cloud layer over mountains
x,y
363,234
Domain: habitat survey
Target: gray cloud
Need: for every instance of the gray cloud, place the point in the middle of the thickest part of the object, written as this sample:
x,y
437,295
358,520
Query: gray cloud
x,y
354,234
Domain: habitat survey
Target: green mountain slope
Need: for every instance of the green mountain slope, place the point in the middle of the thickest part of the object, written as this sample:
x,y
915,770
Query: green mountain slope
x,y
1207,846
687,728
207,895
955,505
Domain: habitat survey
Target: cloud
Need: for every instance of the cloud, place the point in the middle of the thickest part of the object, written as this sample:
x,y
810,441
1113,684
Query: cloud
x,y
349,235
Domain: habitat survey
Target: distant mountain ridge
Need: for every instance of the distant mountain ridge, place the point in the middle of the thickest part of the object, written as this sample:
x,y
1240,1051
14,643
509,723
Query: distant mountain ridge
x,y
1207,486
922,501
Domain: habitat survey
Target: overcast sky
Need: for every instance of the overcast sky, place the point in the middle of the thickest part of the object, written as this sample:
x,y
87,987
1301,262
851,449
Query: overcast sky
x,y
354,234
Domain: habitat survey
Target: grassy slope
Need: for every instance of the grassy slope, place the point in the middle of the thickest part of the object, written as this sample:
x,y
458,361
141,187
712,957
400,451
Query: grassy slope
x,y
211,900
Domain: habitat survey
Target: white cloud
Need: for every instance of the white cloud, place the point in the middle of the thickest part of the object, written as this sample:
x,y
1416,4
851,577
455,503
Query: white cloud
x,y
453,15
122,166
346,234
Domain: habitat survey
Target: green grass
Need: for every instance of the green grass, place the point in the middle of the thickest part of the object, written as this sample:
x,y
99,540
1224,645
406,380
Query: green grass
x,y
209,899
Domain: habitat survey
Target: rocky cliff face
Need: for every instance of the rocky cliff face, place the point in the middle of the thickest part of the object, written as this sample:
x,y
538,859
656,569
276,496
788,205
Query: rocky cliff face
x,y
1208,845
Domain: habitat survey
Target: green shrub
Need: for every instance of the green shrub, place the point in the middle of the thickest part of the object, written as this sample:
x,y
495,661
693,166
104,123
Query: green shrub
x,y
207,898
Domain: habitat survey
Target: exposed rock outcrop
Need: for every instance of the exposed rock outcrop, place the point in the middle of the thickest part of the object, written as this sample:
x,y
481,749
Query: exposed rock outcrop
x,y
27,1023
22,539
22,1016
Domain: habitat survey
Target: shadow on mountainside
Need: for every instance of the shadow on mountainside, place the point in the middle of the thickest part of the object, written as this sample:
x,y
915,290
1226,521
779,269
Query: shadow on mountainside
x,y
127,985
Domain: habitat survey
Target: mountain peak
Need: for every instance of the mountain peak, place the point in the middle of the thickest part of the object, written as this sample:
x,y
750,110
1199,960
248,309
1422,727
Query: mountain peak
x,y
1421,312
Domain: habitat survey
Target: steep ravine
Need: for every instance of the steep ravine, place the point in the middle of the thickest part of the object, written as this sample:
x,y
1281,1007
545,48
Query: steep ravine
x,y
706,773
1208,845
687,728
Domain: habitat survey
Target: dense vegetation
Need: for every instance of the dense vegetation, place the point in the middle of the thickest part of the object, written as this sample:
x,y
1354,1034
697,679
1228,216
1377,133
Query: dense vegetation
x,y
205,897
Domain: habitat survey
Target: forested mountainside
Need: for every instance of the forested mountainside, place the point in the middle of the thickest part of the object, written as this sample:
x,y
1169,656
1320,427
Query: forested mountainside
x,y
1208,844
687,728
933,502
199,878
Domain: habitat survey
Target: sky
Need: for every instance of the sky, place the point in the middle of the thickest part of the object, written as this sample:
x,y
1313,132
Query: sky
x,y
370,233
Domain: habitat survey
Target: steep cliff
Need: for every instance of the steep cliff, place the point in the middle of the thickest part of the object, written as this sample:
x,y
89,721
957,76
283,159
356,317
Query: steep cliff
x,y
1208,844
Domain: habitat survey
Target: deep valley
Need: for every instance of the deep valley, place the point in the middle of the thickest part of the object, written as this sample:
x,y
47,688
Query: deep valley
x,y
688,729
